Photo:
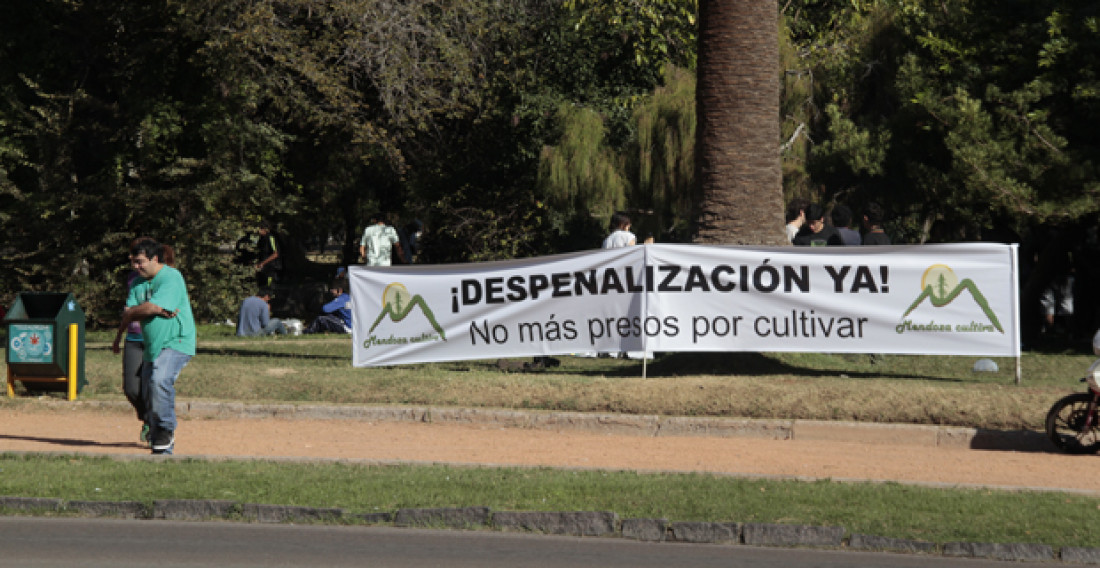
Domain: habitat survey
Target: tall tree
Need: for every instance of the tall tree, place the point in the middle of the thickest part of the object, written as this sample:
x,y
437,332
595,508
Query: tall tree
x,y
952,115
115,126
376,92
737,161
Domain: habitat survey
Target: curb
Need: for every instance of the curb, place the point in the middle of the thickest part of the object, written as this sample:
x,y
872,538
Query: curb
x,y
602,524
622,424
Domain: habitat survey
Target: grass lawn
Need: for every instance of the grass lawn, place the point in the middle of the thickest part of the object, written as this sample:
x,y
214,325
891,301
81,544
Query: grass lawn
x,y
873,388
892,510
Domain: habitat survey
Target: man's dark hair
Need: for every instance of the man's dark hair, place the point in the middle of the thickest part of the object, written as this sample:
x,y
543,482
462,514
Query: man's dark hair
x,y
341,283
874,214
148,247
815,212
841,215
619,220
795,208
265,291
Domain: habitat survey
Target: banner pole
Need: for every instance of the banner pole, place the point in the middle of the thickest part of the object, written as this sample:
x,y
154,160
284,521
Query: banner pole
x,y
1013,251
645,314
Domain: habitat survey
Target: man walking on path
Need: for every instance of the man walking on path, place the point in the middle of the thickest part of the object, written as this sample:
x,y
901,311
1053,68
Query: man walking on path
x,y
159,301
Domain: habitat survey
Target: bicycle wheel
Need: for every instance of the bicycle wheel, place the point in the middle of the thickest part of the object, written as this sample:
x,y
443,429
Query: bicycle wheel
x,y
1066,423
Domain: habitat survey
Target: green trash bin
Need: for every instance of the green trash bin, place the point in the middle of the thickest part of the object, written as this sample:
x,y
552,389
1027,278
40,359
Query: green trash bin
x,y
46,343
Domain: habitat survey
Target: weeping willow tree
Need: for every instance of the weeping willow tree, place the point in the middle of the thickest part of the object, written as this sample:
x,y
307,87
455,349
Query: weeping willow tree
x,y
660,164
654,173
581,175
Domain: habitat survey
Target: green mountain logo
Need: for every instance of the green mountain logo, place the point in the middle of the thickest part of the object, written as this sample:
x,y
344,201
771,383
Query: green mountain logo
x,y
398,303
940,287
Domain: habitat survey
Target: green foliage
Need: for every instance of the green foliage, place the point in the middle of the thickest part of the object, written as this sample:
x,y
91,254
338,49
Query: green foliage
x,y
562,89
580,173
858,151
660,161
654,32
122,135
652,174
511,128
489,226
959,112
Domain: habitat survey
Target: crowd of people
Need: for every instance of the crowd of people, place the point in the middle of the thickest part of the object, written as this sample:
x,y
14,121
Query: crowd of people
x,y
379,245
806,225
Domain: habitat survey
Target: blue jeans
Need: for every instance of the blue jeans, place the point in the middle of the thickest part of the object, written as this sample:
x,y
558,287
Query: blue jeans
x,y
274,326
160,388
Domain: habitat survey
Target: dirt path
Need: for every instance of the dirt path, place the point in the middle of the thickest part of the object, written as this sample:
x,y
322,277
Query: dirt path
x,y
109,432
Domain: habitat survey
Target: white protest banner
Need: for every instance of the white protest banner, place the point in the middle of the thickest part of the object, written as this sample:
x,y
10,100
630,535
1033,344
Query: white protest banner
x,y
934,299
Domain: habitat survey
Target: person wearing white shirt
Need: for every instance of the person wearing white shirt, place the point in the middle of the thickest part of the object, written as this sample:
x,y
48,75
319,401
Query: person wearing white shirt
x,y
378,242
620,233
622,237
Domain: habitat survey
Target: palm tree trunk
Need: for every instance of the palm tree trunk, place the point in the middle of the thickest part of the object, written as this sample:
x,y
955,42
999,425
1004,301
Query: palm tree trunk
x,y
737,160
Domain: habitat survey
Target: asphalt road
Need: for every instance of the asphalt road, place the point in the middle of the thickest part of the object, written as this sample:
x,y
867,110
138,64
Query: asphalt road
x,y
95,543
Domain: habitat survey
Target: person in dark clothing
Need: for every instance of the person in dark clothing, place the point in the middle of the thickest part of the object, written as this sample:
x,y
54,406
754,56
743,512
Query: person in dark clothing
x,y
815,233
842,218
336,315
269,260
873,217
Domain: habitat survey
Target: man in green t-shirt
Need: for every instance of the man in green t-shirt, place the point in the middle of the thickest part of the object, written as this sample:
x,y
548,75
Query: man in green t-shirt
x,y
158,300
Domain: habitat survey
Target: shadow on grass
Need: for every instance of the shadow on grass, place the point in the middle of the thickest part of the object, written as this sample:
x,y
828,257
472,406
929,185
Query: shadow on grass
x,y
222,351
732,364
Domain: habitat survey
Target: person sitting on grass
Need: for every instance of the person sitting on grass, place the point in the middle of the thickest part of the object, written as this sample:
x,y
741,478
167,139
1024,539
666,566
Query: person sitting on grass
x,y
336,316
255,316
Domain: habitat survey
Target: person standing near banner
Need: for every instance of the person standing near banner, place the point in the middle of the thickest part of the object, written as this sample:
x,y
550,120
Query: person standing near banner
x,y
796,217
873,217
620,233
621,237
842,218
378,242
815,233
